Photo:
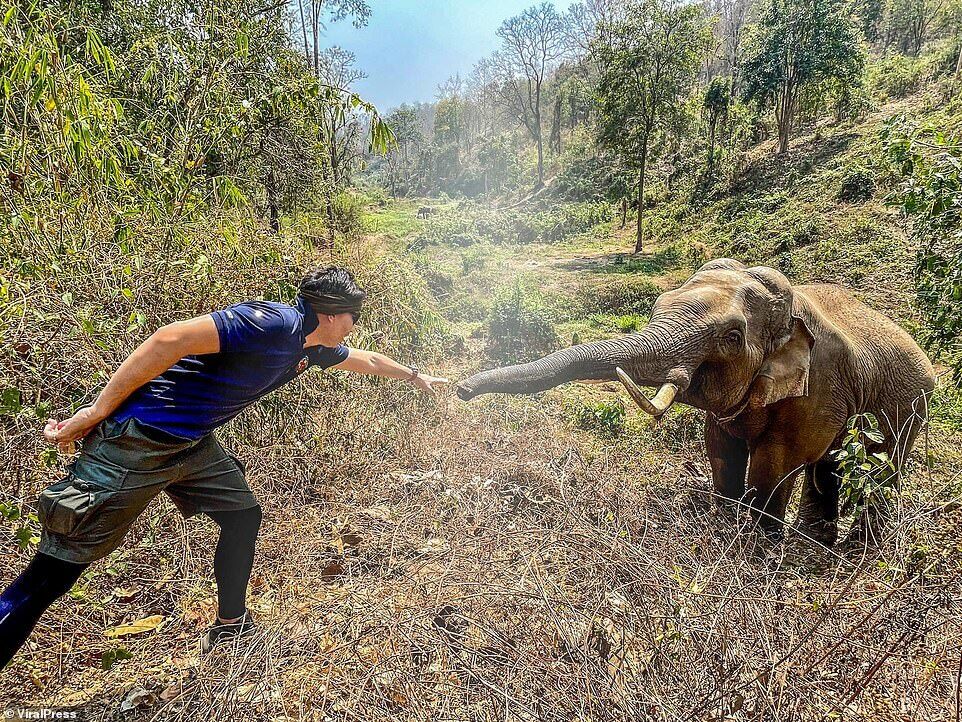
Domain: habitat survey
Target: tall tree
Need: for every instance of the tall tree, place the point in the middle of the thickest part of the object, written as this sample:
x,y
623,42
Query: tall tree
x,y
313,16
406,127
339,125
799,43
531,44
649,61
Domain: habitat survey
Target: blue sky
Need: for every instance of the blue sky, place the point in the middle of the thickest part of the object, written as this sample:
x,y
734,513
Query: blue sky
x,y
410,46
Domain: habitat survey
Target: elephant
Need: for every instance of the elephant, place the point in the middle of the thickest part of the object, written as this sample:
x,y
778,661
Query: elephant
x,y
425,211
778,369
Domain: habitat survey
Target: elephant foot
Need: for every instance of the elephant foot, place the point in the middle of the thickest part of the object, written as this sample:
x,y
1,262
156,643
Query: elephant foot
x,y
824,533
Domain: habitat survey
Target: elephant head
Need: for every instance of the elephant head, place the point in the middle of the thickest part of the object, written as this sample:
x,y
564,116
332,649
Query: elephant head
x,y
727,338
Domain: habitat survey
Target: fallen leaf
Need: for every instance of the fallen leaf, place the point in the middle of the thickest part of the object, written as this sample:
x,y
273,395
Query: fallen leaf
x,y
332,571
139,627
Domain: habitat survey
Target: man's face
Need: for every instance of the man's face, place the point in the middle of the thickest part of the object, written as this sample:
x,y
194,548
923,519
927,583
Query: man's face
x,y
334,328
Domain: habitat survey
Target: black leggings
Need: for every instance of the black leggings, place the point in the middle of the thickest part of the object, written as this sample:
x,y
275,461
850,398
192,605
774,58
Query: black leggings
x,y
47,578
234,558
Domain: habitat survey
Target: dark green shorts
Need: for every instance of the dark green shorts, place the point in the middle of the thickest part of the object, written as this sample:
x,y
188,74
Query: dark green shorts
x,y
121,467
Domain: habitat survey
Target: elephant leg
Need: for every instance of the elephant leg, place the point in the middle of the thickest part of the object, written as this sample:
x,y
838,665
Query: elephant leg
x,y
819,509
728,456
771,476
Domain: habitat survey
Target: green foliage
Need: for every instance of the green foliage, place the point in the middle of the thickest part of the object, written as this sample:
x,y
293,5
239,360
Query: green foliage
x,y
131,106
348,211
519,327
604,417
798,43
858,185
471,223
928,163
866,477
629,323
633,296
113,655
895,76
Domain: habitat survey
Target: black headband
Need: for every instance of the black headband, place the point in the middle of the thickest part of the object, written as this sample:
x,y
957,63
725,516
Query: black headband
x,y
329,304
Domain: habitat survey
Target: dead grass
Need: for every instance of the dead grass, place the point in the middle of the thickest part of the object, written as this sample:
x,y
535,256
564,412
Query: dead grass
x,y
423,560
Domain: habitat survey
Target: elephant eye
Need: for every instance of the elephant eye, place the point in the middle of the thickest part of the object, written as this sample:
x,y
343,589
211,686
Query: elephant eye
x,y
734,337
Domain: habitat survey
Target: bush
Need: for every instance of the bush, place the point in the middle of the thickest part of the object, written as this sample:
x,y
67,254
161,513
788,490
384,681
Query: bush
x,y
629,296
349,214
896,76
519,328
858,185
604,417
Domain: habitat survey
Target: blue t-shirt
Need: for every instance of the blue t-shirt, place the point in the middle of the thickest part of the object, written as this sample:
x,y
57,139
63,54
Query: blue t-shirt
x,y
261,348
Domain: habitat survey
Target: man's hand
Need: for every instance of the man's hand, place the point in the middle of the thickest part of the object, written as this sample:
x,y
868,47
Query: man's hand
x,y
65,433
427,383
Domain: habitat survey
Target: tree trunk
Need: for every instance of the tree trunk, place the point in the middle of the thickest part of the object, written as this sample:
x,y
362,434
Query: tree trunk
x,y
624,211
315,27
274,217
555,142
958,63
783,118
307,51
711,143
640,230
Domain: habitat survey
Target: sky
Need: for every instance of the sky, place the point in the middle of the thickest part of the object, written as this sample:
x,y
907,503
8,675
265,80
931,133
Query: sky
x,y
409,47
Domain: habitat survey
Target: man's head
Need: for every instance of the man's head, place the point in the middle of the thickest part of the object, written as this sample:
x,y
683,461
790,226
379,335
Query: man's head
x,y
335,297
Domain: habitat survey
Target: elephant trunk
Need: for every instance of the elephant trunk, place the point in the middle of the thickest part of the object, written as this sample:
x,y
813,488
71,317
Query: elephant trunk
x,y
660,354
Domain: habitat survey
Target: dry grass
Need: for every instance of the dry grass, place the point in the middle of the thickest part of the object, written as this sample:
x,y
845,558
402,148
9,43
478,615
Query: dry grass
x,y
424,560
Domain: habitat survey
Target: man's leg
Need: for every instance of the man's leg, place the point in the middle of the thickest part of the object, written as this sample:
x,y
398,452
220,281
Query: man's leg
x,y
234,558
45,580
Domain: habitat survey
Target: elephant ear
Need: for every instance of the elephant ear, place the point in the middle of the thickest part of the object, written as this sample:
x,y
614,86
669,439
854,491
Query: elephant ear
x,y
784,373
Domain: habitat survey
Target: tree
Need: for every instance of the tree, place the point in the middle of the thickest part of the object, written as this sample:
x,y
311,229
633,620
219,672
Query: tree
x,y
406,127
715,103
649,61
311,14
798,43
339,126
531,44
909,23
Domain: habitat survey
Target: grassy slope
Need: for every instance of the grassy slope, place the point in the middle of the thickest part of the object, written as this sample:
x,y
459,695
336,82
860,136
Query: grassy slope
x,y
493,561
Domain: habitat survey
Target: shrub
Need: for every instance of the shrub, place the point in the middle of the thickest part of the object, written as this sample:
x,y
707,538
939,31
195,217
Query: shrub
x,y
866,477
628,323
895,76
349,214
519,328
604,417
628,296
858,185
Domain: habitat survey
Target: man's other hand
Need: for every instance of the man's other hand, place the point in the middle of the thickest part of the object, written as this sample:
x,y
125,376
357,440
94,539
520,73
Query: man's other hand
x,y
65,433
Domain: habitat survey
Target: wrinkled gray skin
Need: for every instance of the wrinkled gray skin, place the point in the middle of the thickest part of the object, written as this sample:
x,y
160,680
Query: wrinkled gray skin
x,y
779,371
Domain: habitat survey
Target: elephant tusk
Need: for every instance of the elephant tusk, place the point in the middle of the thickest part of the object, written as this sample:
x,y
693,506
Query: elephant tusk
x,y
656,406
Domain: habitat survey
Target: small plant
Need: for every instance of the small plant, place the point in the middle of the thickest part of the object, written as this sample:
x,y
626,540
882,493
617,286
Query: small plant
x,y
628,323
605,417
866,477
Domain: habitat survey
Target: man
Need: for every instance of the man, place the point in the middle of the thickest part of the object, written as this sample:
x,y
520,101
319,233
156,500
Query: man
x,y
149,431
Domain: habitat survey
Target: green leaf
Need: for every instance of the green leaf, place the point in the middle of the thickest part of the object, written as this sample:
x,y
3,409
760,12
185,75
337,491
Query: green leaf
x,y
112,656
10,402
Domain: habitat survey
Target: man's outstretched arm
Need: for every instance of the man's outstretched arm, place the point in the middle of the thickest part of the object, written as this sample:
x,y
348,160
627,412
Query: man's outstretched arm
x,y
377,364
165,347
